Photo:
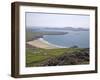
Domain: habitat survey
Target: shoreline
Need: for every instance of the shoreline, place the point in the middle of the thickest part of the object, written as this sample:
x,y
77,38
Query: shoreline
x,y
41,43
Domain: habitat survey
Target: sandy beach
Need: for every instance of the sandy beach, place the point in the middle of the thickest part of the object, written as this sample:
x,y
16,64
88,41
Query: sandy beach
x,y
41,43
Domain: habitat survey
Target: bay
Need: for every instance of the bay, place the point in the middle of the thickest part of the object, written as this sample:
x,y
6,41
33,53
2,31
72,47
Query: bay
x,y
73,38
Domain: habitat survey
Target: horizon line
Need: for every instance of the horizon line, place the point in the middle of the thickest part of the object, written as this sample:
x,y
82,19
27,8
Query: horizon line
x,y
54,27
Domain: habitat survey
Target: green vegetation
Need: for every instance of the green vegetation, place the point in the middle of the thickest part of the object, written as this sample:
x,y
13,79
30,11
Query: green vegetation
x,y
35,35
37,56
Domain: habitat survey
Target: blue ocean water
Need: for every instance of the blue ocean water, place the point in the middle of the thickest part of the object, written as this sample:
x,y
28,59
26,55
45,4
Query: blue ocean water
x,y
73,38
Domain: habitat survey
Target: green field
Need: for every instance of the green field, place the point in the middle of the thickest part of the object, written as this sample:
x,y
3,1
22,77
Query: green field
x,y
36,56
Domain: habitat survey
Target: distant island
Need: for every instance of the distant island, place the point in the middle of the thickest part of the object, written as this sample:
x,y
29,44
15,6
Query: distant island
x,y
70,28
55,28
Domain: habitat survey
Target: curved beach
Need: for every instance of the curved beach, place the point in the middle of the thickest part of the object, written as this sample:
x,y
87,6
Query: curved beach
x,y
41,43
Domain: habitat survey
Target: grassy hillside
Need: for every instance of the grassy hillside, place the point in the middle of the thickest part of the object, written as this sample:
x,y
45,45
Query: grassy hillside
x,y
52,57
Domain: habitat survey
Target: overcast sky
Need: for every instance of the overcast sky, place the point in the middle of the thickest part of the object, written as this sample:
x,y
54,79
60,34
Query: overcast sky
x,y
57,20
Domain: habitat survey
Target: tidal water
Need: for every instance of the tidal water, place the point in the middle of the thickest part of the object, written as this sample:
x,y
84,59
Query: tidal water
x,y
73,38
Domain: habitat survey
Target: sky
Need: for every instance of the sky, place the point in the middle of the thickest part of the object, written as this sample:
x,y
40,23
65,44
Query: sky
x,y
57,20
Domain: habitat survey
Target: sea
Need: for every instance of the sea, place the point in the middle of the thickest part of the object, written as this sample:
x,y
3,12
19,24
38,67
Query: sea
x,y
72,39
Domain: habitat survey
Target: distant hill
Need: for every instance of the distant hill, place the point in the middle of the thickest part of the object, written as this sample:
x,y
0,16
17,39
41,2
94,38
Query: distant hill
x,y
55,28
70,28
